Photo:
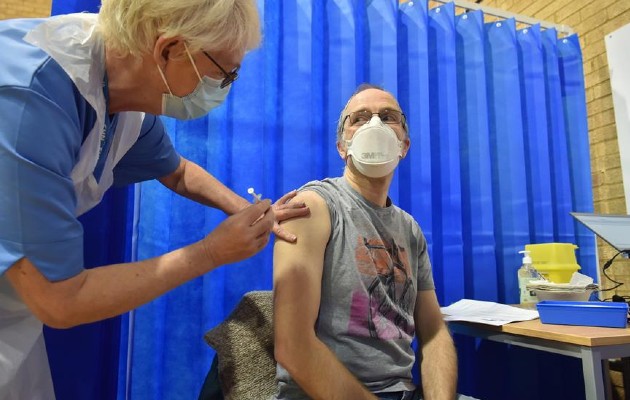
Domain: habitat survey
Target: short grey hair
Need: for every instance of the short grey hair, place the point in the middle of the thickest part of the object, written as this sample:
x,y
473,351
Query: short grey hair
x,y
132,26
361,88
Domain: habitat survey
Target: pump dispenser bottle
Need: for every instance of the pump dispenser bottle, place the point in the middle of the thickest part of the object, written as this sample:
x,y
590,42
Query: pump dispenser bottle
x,y
526,273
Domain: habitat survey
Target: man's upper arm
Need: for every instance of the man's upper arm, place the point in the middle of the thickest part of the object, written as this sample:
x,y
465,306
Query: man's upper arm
x,y
298,268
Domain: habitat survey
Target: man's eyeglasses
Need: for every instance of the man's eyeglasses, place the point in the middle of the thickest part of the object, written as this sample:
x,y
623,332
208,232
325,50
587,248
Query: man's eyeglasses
x,y
229,76
362,117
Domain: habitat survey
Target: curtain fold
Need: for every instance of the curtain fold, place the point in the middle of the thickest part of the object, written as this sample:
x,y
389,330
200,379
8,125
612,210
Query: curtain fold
x,y
536,134
560,179
574,103
444,134
476,170
511,215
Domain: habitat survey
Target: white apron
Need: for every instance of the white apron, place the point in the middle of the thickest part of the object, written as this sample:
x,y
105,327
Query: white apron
x,y
74,43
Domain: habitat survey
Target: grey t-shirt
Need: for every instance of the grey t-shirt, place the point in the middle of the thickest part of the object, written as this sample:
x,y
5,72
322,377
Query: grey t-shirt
x,y
375,262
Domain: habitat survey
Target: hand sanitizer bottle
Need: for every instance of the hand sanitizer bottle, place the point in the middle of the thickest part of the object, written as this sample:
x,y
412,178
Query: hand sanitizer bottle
x,y
526,273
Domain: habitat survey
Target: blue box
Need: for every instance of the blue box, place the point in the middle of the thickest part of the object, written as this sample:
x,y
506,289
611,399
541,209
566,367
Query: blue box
x,y
587,313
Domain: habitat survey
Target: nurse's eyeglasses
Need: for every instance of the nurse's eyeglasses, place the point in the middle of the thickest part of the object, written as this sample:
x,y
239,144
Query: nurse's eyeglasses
x,y
229,76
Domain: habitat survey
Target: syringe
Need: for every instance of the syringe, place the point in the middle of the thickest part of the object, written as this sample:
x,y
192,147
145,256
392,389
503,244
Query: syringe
x,y
254,195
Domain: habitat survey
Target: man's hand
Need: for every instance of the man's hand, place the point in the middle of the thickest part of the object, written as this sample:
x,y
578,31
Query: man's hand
x,y
241,235
284,209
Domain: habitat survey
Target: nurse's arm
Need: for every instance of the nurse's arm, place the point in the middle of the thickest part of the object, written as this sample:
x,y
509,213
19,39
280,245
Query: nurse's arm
x,y
195,183
104,292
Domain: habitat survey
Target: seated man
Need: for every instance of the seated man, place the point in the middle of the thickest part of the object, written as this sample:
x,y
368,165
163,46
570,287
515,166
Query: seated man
x,y
357,286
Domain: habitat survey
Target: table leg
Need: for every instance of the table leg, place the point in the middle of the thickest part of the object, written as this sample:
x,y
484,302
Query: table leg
x,y
593,374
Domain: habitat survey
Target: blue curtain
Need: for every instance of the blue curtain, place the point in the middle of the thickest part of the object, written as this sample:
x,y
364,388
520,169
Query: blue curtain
x,y
499,158
74,6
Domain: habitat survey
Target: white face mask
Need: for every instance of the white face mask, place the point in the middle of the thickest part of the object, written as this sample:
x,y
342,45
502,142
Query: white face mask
x,y
375,149
206,96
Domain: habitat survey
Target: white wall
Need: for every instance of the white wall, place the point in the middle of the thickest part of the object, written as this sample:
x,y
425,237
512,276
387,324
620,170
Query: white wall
x,y
618,51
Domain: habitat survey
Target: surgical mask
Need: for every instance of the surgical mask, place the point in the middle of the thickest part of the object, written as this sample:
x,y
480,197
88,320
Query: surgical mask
x,y
375,149
206,96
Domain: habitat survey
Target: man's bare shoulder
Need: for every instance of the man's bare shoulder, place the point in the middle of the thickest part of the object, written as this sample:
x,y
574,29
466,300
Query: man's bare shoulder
x,y
316,225
315,202
310,196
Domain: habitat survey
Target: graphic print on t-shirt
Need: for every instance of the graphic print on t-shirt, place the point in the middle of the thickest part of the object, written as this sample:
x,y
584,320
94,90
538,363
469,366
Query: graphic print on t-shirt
x,y
381,306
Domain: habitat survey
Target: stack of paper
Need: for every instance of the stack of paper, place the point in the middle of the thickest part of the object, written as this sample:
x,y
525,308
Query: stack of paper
x,y
579,283
486,312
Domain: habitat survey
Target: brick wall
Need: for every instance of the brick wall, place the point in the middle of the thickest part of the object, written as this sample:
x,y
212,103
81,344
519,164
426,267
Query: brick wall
x,y
592,21
24,8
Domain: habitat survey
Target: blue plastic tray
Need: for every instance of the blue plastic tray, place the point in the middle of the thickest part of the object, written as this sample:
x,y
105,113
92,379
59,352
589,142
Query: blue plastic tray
x,y
588,313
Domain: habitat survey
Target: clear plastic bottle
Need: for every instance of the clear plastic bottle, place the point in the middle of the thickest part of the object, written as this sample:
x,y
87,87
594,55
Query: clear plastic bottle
x,y
526,273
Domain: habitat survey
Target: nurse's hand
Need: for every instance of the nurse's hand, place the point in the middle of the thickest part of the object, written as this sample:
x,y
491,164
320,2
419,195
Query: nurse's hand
x,y
241,235
285,209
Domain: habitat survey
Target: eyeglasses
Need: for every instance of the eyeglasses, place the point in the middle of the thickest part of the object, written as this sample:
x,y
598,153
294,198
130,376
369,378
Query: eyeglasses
x,y
362,117
229,76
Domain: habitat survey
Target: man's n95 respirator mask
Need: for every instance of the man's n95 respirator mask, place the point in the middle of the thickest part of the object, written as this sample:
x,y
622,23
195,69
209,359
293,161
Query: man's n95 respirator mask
x,y
375,149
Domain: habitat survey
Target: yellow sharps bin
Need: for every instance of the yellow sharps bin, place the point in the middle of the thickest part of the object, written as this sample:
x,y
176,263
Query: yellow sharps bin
x,y
554,261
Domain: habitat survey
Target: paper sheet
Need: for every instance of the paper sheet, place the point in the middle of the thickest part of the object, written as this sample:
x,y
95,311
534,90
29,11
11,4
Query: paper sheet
x,y
486,312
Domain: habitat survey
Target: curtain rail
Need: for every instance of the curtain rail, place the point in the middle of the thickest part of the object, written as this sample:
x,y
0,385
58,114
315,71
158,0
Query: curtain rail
x,y
506,14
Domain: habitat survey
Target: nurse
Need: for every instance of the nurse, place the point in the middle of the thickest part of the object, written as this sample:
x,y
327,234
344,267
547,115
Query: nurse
x,y
79,95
